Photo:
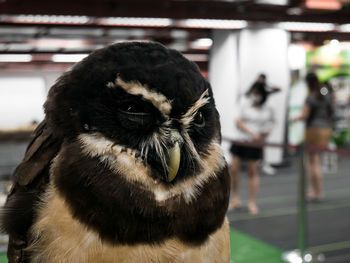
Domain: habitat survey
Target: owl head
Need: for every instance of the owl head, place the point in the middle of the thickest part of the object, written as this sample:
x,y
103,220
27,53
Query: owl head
x,y
144,99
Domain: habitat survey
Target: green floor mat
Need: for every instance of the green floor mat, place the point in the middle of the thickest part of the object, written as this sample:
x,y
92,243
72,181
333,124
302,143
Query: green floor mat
x,y
3,258
246,249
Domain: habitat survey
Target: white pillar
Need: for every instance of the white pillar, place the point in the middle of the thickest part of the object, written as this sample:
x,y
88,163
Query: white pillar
x,y
224,79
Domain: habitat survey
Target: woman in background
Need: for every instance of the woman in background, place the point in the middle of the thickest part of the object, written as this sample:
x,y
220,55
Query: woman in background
x,y
255,122
317,112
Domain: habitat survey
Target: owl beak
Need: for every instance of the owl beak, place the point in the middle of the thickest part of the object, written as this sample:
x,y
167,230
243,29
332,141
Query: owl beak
x,y
173,161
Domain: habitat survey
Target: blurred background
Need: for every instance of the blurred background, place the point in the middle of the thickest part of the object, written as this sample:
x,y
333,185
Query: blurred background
x,y
232,42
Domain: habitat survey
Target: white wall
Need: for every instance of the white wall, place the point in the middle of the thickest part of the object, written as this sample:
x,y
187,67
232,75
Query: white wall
x,y
21,101
237,58
22,95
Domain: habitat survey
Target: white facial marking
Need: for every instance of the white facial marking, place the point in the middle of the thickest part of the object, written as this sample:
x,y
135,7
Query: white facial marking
x,y
136,88
188,117
133,169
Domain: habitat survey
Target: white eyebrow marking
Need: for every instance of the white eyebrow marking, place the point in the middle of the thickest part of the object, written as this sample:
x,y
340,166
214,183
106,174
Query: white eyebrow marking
x,y
188,117
136,88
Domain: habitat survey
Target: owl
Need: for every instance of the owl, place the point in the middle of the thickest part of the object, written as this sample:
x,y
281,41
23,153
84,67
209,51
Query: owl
x,y
126,166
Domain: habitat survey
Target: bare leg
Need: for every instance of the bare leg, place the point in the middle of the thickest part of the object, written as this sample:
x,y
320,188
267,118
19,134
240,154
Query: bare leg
x,y
318,181
310,171
315,175
253,182
234,172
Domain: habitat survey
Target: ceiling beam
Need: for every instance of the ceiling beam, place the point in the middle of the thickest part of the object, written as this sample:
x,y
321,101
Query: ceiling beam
x,y
246,10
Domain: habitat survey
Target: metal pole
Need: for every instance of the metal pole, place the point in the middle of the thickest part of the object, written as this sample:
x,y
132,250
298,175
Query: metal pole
x,y
302,215
298,254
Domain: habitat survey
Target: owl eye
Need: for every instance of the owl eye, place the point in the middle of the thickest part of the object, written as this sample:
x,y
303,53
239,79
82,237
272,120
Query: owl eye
x,y
135,117
132,109
199,120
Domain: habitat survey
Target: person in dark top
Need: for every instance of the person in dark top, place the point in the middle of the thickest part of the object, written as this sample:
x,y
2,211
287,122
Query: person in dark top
x,y
317,113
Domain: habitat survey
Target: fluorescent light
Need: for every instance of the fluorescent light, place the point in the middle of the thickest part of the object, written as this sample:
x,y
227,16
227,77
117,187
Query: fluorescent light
x,y
197,57
334,46
135,21
307,26
50,19
177,33
294,11
8,30
68,57
334,42
76,31
322,4
202,43
272,2
344,28
296,56
15,58
214,23
19,47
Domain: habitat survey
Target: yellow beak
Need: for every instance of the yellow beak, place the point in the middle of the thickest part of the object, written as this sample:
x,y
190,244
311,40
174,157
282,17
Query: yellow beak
x,y
173,162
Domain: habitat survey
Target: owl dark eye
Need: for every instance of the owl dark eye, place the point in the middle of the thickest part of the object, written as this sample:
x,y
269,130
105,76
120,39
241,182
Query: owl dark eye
x,y
135,117
199,120
130,108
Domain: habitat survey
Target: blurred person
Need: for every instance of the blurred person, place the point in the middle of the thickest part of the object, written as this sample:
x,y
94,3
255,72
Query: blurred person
x,y
269,89
265,166
255,122
317,113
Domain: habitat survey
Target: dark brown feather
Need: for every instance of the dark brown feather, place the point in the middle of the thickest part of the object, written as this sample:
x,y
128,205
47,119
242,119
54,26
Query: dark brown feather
x,y
30,179
41,150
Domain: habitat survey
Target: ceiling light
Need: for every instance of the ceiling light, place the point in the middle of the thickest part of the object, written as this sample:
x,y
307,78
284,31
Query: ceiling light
x,y
10,30
176,33
307,26
213,23
332,48
272,2
20,47
48,19
296,56
323,4
344,28
77,32
15,58
334,42
202,43
294,11
135,21
197,57
57,43
68,57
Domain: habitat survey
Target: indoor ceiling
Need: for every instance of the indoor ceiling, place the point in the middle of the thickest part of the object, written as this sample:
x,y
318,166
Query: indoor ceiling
x,y
254,10
45,28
